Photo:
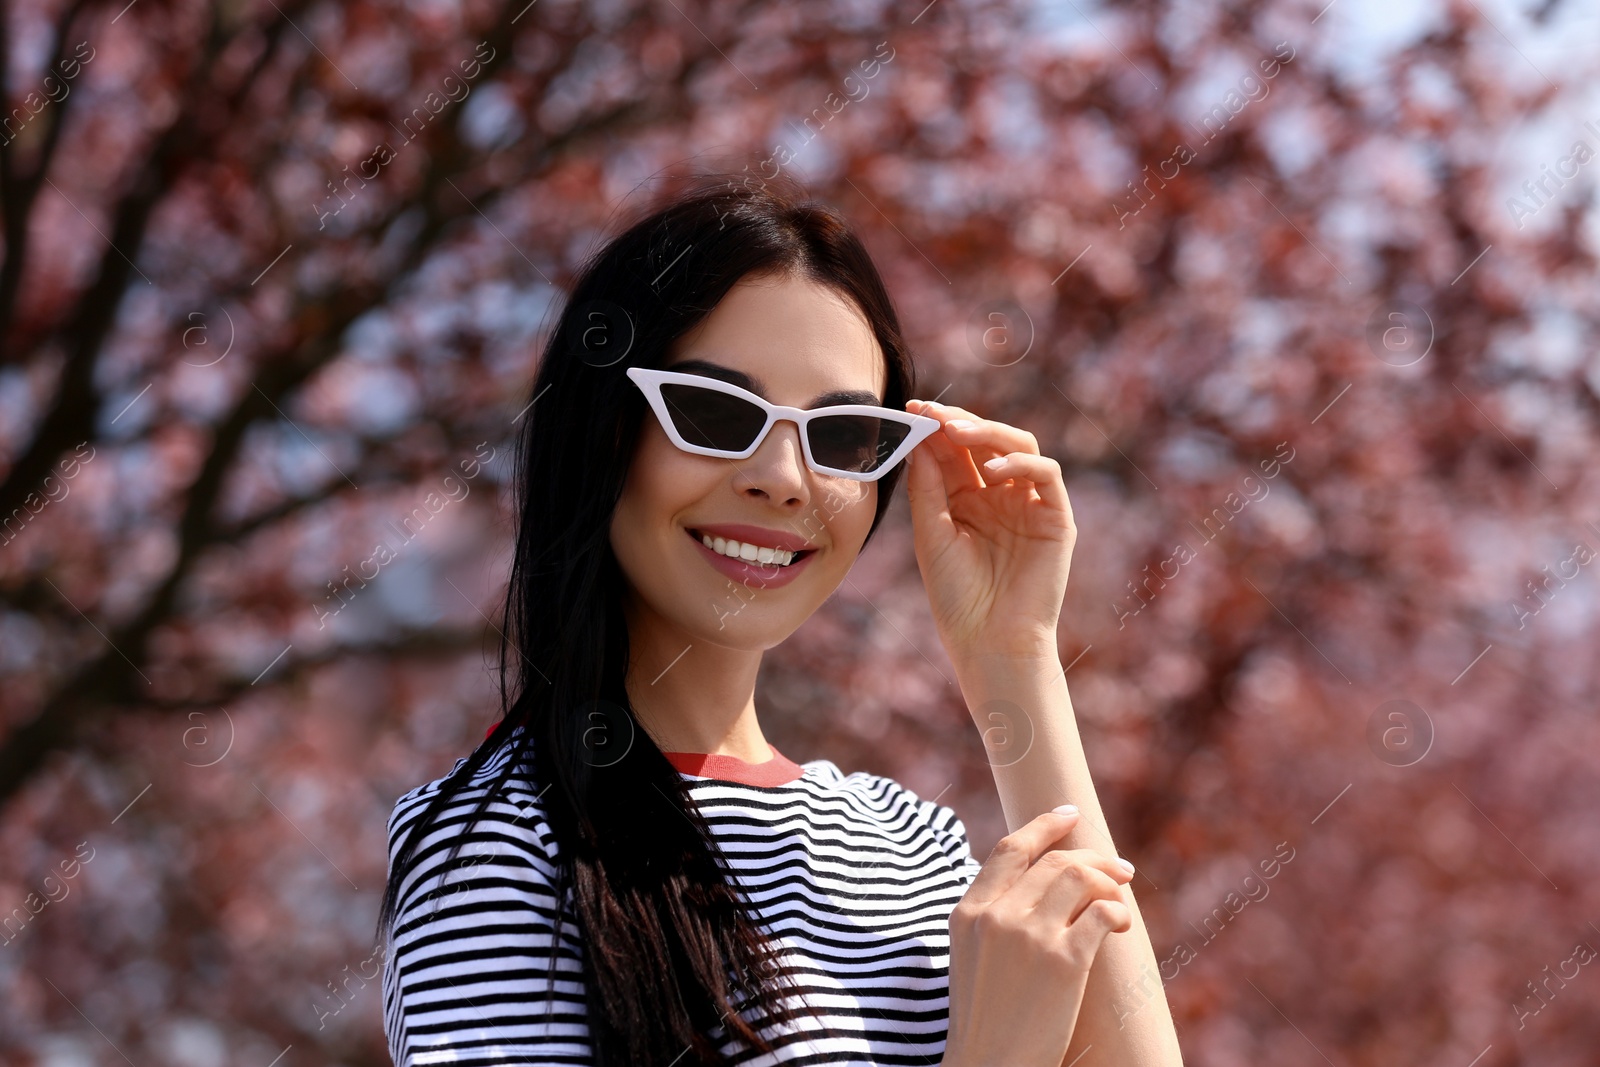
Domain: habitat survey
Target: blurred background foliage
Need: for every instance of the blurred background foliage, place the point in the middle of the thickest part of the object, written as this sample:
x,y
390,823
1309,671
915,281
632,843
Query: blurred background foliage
x,y
1301,295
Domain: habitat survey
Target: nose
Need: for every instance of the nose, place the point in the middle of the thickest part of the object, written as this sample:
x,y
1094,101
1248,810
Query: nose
x,y
777,469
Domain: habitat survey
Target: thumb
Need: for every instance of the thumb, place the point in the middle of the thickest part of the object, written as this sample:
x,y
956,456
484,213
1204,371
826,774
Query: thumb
x,y
930,504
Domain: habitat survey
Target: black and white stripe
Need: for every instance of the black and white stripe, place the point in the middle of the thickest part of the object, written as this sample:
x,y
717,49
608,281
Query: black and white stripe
x,y
854,874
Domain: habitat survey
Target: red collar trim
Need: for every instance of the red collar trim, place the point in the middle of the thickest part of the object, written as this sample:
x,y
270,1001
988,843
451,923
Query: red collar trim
x,y
779,770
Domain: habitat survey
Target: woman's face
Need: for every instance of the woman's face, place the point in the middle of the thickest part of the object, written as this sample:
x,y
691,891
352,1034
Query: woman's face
x,y
794,342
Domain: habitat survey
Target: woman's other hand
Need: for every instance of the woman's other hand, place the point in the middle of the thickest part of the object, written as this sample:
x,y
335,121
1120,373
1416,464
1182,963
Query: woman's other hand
x,y
1021,944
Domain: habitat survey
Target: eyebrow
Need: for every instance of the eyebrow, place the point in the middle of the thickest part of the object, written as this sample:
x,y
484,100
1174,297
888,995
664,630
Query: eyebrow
x,y
745,381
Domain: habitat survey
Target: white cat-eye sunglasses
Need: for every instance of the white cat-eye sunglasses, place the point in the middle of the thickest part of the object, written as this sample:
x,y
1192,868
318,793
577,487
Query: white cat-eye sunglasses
x,y
714,418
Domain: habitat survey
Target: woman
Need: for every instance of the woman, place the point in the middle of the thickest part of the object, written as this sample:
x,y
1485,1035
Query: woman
x,y
625,872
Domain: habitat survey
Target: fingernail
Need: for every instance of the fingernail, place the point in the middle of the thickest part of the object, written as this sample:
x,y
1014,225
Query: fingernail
x,y
1125,864
959,424
996,463
1065,809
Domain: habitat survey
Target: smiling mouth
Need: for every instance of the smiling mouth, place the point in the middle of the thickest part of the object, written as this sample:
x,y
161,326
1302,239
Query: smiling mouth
x,y
765,557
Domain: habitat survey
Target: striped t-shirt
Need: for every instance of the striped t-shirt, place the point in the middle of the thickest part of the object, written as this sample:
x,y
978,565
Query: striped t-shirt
x,y
854,875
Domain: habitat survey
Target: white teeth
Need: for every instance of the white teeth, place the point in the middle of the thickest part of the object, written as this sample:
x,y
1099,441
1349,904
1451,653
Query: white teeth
x,y
753,553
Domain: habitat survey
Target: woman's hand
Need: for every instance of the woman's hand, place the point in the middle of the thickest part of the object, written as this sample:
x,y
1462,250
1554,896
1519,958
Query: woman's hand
x,y
993,543
1021,943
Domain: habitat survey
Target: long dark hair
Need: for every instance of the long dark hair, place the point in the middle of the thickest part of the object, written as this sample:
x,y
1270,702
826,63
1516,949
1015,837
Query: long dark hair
x,y
671,948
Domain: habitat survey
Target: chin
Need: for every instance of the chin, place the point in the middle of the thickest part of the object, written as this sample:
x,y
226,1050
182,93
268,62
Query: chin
x,y
748,635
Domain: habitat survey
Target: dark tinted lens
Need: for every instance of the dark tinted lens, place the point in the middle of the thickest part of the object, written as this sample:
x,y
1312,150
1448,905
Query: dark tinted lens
x,y
711,419
858,443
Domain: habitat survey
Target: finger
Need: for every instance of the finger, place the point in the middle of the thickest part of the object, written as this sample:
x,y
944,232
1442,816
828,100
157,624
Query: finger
x,y
1088,933
974,447
1042,471
954,460
1084,938
1061,869
1017,852
980,453
989,433
986,440
1073,887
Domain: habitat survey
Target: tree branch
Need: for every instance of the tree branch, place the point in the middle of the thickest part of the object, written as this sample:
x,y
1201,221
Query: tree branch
x,y
17,192
113,677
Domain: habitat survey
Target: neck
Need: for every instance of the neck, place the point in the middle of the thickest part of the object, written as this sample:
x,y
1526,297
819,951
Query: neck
x,y
691,695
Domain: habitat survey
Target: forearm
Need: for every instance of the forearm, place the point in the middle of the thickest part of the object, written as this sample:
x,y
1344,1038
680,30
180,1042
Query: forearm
x,y
1022,705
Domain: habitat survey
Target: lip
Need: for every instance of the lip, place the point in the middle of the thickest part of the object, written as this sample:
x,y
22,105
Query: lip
x,y
750,573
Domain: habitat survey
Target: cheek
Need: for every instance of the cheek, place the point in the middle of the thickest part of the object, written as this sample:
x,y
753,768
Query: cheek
x,y
851,508
662,483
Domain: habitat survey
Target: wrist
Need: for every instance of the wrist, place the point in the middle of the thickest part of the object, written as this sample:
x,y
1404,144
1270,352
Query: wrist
x,y
1020,661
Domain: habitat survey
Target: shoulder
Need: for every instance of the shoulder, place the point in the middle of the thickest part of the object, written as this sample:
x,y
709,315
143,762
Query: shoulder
x,y
483,959
894,810
478,817
884,797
